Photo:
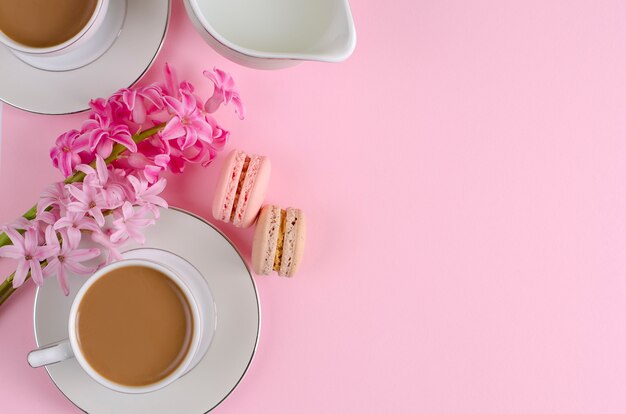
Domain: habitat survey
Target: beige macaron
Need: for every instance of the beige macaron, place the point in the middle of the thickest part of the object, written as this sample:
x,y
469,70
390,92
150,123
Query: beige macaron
x,y
278,241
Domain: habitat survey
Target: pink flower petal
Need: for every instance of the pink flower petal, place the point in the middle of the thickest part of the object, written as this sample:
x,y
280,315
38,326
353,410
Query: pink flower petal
x,y
171,80
175,105
102,170
12,252
48,217
96,136
105,148
44,252
36,272
82,255
190,138
122,135
152,172
76,207
51,267
213,103
79,269
77,194
63,222
51,238
73,237
89,224
16,238
139,112
65,164
188,103
86,169
30,240
119,235
129,97
20,273
96,213
173,129
63,281
127,210
240,110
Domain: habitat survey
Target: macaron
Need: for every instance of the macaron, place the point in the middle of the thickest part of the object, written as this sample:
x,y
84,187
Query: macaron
x,y
278,241
241,188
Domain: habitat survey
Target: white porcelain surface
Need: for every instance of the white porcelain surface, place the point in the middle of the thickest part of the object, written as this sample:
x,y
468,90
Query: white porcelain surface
x,y
63,92
272,34
226,360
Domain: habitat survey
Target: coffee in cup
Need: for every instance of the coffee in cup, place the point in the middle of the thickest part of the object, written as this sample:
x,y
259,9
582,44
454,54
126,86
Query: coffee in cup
x,y
138,324
134,326
60,35
44,23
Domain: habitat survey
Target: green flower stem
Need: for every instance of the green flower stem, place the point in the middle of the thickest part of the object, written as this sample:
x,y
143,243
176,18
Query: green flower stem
x,y
6,288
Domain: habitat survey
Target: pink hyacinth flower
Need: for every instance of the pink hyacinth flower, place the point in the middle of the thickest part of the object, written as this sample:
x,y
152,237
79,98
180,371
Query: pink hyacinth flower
x,y
130,222
28,253
103,132
152,172
187,125
201,153
153,97
140,102
66,151
89,200
112,192
223,93
176,158
66,257
111,249
148,196
55,195
134,105
74,223
38,224
48,217
220,135
150,166
22,223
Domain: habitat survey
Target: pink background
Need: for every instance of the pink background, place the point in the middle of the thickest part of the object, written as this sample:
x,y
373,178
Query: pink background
x,y
464,176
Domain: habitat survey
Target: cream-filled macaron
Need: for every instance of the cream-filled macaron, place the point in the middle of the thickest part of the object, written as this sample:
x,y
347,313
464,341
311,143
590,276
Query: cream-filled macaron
x,y
278,241
241,188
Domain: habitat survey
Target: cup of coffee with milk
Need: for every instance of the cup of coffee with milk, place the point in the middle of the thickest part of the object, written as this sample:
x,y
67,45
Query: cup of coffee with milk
x,y
60,35
136,325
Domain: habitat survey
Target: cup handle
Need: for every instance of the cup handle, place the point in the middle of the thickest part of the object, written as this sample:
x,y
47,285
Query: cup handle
x,y
50,354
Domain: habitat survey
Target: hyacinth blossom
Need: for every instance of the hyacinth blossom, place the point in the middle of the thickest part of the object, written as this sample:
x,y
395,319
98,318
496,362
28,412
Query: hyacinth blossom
x,y
112,183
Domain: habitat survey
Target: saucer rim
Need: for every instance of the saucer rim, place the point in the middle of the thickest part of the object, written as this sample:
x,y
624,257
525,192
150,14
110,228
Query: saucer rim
x,y
258,305
141,75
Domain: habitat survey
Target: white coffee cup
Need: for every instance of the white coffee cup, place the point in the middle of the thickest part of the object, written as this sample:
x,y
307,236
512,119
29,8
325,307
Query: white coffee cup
x,y
95,38
193,286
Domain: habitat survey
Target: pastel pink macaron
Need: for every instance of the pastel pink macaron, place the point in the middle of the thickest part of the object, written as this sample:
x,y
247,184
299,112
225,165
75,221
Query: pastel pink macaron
x,y
241,188
278,241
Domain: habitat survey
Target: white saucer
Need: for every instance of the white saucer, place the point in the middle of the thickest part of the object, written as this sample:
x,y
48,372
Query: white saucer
x,y
232,348
54,93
